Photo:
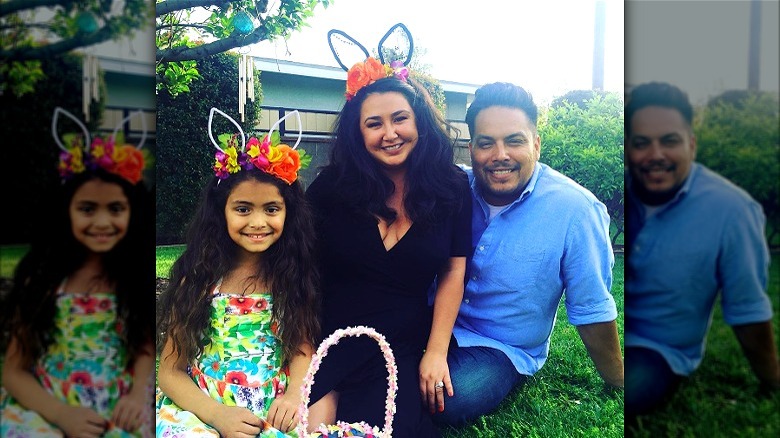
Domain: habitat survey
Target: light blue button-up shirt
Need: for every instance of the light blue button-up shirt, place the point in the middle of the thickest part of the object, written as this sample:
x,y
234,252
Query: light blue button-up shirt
x,y
709,237
553,238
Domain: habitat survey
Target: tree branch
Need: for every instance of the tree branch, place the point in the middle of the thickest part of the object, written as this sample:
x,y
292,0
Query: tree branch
x,y
12,6
168,6
191,53
181,25
41,52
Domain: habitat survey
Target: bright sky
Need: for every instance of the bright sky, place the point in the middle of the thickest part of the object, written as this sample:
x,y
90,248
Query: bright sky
x,y
544,46
700,46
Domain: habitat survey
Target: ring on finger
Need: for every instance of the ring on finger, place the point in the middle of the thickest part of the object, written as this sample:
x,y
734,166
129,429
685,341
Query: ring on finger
x,y
439,385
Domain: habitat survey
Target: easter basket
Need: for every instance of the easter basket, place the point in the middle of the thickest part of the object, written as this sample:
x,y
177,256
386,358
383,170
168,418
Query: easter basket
x,y
341,428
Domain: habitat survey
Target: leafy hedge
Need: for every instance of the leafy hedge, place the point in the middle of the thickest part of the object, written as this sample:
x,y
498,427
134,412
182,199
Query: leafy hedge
x,y
29,153
738,136
582,137
185,154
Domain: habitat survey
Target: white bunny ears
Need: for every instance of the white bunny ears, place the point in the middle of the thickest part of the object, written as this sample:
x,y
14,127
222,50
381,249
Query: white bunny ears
x,y
268,155
123,160
241,131
59,110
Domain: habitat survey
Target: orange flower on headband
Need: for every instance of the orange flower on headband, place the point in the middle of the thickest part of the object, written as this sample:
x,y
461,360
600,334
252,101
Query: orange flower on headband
x,y
365,73
285,164
128,163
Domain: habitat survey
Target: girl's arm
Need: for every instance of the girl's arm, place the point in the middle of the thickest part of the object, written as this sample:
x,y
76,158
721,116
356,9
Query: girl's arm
x,y
230,421
25,388
283,413
129,410
433,367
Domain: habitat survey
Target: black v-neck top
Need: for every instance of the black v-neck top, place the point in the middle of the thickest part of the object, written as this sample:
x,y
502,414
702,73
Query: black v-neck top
x,y
365,284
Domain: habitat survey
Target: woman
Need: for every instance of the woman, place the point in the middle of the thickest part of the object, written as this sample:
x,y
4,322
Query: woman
x,y
393,215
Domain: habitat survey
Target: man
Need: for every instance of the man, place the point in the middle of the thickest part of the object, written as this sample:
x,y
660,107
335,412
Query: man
x,y
536,234
689,234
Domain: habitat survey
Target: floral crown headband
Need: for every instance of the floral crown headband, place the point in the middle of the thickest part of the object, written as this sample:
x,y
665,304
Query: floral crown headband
x,y
111,154
363,73
269,155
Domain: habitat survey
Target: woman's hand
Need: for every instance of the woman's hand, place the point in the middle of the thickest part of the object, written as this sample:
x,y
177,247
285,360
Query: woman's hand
x,y
434,380
283,413
80,422
129,409
236,422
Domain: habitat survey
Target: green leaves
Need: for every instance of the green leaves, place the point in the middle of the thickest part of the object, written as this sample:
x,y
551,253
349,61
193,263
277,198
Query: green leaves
x,y
194,33
583,140
738,136
305,158
72,24
176,77
20,77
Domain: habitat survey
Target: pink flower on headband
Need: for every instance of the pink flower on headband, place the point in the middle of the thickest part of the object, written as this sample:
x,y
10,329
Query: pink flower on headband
x,y
400,71
258,152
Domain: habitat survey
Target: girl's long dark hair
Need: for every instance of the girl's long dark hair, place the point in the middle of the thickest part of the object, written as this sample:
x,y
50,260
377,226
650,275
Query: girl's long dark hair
x,y
184,308
430,172
55,254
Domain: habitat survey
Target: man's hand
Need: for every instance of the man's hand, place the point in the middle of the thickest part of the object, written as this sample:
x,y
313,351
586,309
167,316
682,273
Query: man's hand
x,y
758,345
601,341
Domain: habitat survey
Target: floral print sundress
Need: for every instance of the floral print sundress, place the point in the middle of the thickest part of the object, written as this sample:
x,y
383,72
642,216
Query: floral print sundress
x,y
85,365
241,366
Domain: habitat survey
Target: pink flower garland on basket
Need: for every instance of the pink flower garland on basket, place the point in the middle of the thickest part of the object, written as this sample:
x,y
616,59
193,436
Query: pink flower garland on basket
x,y
341,428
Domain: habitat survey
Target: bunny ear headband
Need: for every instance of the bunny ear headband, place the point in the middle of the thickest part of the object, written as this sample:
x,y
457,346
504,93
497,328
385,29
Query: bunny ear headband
x,y
366,69
269,155
82,154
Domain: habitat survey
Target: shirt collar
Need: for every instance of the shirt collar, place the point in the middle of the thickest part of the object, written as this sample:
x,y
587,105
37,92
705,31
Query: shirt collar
x,y
684,189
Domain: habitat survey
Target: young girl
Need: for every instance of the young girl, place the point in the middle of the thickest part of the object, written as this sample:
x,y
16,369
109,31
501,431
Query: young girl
x,y
80,360
239,318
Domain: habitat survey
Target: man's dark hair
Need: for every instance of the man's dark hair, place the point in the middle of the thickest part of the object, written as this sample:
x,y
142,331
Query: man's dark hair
x,y
657,94
501,94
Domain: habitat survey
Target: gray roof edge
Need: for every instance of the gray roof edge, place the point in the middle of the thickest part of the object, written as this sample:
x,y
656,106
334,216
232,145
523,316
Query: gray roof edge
x,y
115,65
329,72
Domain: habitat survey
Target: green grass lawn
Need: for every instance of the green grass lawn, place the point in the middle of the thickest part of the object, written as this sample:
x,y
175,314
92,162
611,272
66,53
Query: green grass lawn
x,y
166,256
568,398
721,398
9,257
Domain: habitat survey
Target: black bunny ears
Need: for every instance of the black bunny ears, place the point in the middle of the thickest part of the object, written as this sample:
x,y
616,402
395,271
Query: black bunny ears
x,y
339,41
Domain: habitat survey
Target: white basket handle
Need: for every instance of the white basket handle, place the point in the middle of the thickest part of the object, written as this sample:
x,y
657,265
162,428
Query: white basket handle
x,y
333,339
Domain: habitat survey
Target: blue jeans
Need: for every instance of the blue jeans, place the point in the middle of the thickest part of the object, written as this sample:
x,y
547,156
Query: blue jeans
x,y
650,382
481,378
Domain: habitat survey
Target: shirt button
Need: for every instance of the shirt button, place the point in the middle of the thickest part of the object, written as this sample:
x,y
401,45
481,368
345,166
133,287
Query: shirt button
x,y
466,301
474,278
482,248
